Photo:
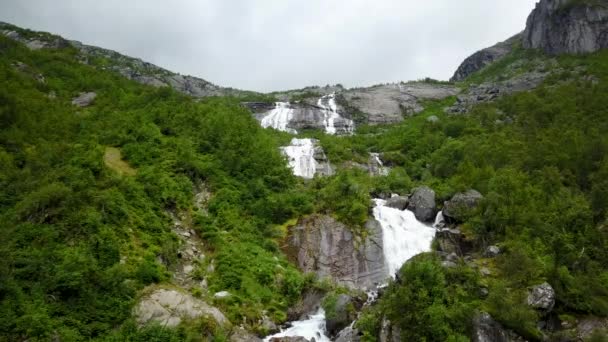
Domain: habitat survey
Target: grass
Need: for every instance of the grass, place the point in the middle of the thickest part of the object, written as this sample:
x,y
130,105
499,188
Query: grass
x,y
113,159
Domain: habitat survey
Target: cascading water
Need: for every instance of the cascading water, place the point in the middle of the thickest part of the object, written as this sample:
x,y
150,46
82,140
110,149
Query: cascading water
x,y
313,327
381,170
403,236
330,115
279,117
301,154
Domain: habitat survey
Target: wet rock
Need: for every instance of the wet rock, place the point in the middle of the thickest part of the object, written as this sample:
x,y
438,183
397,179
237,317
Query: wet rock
x,y
389,332
375,166
565,26
484,57
319,244
422,203
486,329
310,302
289,339
398,202
84,99
542,297
457,209
170,307
341,314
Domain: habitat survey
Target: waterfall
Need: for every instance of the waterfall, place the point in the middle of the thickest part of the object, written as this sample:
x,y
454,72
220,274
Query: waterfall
x,y
330,115
313,327
381,170
301,154
279,117
403,236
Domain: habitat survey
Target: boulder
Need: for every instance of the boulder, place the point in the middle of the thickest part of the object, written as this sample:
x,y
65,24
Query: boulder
x,y
397,202
457,209
169,307
542,297
340,315
492,252
310,302
486,329
319,244
84,99
422,203
349,334
242,335
451,241
289,339
566,26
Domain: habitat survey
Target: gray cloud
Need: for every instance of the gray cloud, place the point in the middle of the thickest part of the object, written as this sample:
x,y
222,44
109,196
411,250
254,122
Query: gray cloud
x,y
282,44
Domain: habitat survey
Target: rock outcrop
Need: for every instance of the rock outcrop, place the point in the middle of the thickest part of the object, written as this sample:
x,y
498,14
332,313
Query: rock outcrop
x,y
169,307
457,209
542,297
567,26
483,58
84,99
319,244
422,203
486,329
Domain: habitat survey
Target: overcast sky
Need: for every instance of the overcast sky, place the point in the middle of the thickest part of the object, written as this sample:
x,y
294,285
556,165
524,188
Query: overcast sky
x,y
270,45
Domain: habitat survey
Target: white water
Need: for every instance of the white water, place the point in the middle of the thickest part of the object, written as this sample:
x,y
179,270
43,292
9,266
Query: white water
x,y
403,236
314,326
330,114
301,153
279,117
439,219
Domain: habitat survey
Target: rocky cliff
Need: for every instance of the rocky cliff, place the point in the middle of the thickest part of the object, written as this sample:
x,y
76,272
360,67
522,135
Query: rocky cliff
x,y
568,26
485,57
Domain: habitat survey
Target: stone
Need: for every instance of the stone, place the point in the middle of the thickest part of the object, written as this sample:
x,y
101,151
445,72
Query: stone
x,y
486,329
422,203
222,294
398,202
84,99
588,325
375,166
566,26
268,325
310,302
289,339
433,119
319,244
241,335
542,297
483,58
457,209
389,332
349,334
169,307
342,315
485,271
492,251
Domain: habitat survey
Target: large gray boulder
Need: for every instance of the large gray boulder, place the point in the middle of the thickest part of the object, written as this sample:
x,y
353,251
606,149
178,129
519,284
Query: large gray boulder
x,y
542,297
483,58
398,202
319,244
169,307
567,26
422,203
349,334
457,209
486,329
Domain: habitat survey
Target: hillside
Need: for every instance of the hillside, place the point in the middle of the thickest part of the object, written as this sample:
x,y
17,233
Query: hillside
x,y
141,205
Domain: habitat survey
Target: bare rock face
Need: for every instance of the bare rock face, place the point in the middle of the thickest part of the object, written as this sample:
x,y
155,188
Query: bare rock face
x,y
542,297
483,58
567,26
319,244
389,103
422,203
170,307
